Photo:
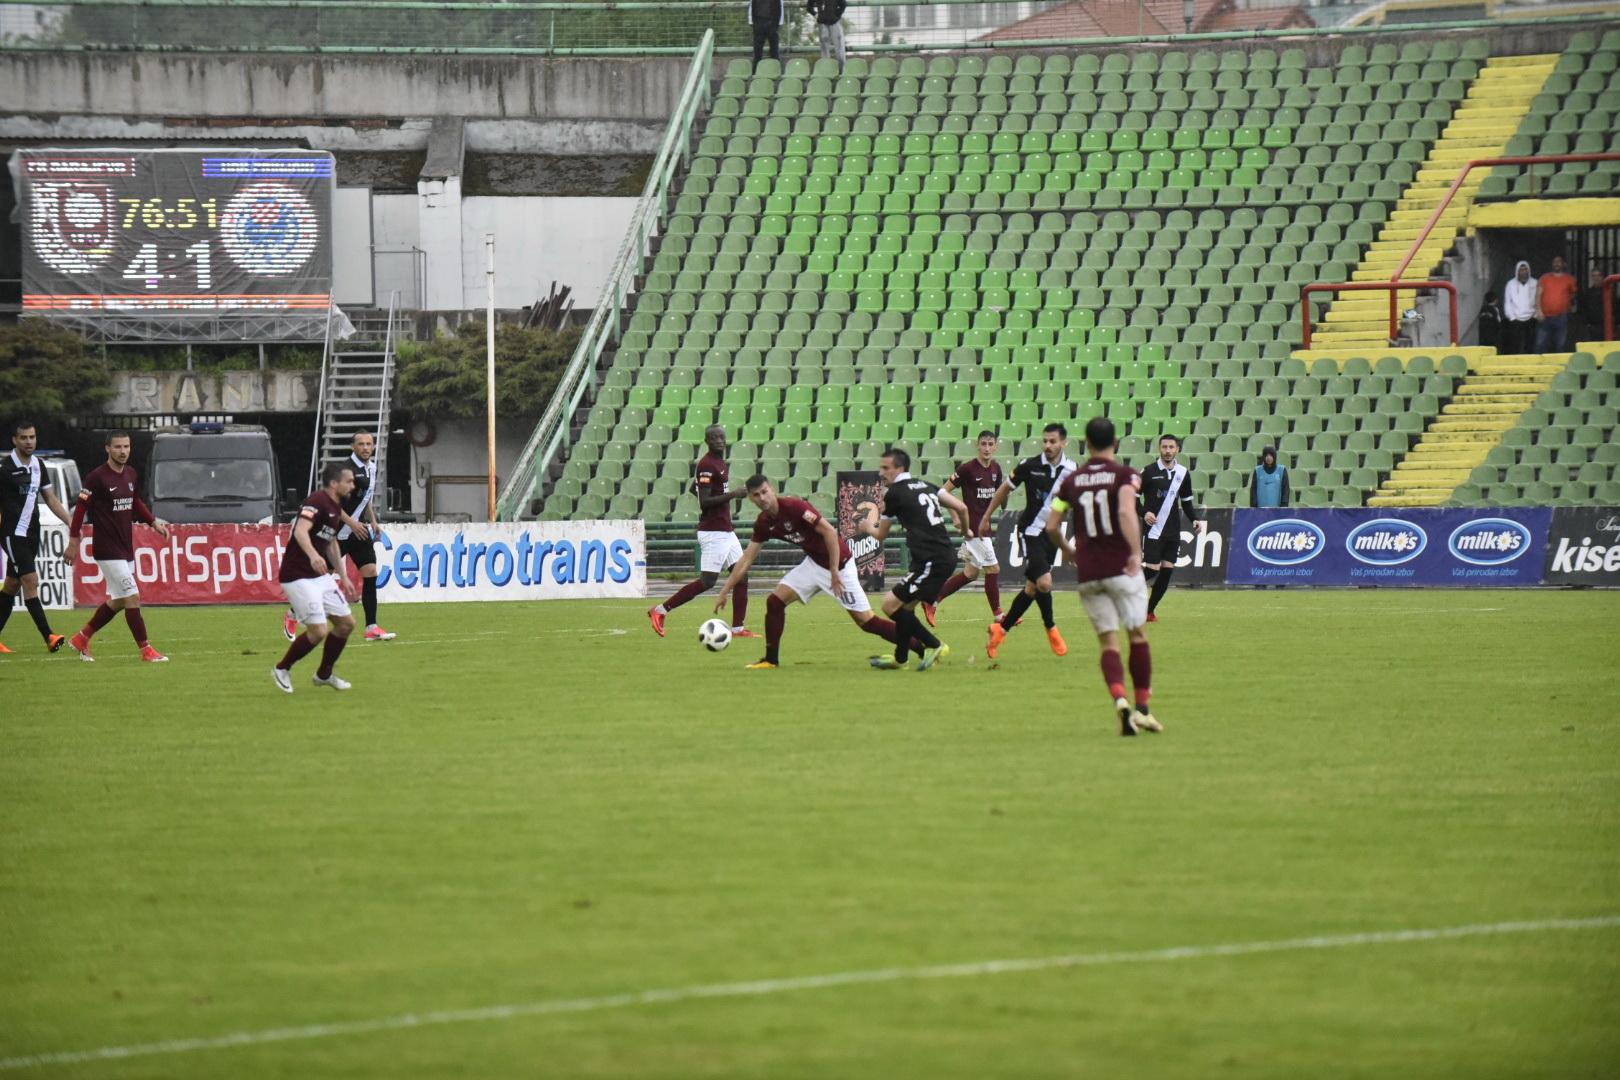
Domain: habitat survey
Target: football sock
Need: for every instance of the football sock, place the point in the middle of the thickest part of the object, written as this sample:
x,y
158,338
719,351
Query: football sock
x,y
692,588
914,629
1113,673
368,599
956,582
1150,573
739,602
36,609
1044,599
300,648
1160,584
102,616
137,625
330,654
992,590
775,623
6,600
1020,605
882,627
1141,671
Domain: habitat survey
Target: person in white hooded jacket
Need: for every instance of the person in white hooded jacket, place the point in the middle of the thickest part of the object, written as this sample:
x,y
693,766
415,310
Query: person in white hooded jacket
x,y
1519,312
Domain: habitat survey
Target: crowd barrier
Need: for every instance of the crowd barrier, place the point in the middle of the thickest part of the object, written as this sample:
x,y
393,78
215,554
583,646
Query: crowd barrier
x,y
239,564
1415,548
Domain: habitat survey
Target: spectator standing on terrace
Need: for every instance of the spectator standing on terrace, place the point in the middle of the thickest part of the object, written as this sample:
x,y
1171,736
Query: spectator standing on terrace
x,y
1519,312
1555,298
1490,321
767,17
830,26
1268,487
1591,307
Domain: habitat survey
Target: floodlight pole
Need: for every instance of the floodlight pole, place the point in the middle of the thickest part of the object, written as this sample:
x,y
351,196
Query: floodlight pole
x,y
489,348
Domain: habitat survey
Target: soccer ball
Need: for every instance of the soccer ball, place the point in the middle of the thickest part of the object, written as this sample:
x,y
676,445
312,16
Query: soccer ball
x,y
715,635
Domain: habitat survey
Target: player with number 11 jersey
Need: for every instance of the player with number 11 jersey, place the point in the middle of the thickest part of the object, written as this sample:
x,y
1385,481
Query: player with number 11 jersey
x,y
1106,551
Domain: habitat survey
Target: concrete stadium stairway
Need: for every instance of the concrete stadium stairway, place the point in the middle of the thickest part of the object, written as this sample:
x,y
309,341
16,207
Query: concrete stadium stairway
x,y
1496,105
1487,404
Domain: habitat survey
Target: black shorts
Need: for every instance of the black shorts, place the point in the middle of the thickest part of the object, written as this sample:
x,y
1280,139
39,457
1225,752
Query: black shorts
x,y
925,580
22,556
363,552
1166,549
1039,554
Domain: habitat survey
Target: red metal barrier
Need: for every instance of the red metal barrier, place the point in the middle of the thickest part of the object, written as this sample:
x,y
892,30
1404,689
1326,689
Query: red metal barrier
x,y
1434,219
1608,306
1392,287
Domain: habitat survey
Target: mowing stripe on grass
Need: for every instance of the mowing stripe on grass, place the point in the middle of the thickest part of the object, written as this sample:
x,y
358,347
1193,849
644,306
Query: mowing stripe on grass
x,y
782,986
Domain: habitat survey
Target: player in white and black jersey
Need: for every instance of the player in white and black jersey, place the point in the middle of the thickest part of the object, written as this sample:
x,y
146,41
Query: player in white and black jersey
x,y
23,486
916,505
1167,493
357,539
1039,476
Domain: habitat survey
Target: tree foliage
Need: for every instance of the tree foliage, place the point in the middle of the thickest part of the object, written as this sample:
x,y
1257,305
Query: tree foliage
x,y
444,378
49,374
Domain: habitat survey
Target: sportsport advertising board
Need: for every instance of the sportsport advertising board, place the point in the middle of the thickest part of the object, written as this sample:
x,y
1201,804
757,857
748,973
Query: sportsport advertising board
x,y
177,244
1372,546
859,493
1583,546
238,564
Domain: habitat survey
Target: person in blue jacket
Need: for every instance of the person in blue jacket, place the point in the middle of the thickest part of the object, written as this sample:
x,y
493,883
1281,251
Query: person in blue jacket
x,y
1268,487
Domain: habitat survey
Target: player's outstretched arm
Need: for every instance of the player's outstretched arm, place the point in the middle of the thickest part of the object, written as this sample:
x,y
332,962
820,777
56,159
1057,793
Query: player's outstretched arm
x,y
959,512
334,556
76,527
737,572
354,526
829,536
56,505
1054,528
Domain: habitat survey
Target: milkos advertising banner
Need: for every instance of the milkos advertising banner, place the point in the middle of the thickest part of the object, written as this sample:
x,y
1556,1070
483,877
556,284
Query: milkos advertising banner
x,y
1202,560
239,564
1372,546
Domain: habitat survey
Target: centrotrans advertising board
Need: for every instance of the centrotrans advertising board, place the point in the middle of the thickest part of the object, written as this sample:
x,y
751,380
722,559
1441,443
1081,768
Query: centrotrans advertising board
x,y
177,244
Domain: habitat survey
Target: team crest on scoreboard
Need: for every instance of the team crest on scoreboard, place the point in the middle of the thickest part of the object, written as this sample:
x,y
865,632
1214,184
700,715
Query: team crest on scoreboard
x,y
269,229
73,225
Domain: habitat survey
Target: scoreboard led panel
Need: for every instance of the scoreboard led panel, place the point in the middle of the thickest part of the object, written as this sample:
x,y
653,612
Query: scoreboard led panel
x,y
166,233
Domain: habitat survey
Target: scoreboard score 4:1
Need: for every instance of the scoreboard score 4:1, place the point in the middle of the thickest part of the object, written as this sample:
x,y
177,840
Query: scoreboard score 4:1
x,y
175,232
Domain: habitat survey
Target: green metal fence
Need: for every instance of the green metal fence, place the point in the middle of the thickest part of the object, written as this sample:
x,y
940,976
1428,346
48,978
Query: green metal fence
x,y
635,27
552,432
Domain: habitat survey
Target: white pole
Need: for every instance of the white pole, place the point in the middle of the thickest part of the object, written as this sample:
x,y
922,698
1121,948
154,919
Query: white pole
x,y
489,346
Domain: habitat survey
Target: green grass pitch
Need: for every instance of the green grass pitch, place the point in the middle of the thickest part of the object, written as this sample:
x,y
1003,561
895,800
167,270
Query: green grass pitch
x,y
533,804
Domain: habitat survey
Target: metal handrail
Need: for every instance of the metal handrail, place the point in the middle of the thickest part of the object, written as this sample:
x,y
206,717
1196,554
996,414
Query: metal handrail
x,y
552,429
1392,287
1478,163
739,6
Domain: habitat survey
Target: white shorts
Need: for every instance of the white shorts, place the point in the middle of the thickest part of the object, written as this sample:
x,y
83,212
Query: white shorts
x,y
807,579
719,551
980,551
313,599
1115,600
120,577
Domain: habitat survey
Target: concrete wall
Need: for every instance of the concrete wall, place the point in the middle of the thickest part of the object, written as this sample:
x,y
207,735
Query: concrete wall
x,y
540,240
145,393
278,87
461,449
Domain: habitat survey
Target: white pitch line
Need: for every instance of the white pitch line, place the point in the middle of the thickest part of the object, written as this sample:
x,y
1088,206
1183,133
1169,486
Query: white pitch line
x,y
763,987
268,649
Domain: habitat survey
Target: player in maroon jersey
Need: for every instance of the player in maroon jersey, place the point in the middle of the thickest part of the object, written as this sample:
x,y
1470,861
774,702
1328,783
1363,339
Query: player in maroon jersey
x,y
109,497
312,577
1107,557
718,549
977,479
827,567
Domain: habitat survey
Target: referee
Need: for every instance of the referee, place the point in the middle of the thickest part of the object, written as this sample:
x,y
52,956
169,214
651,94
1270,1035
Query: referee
x,y
1167,491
